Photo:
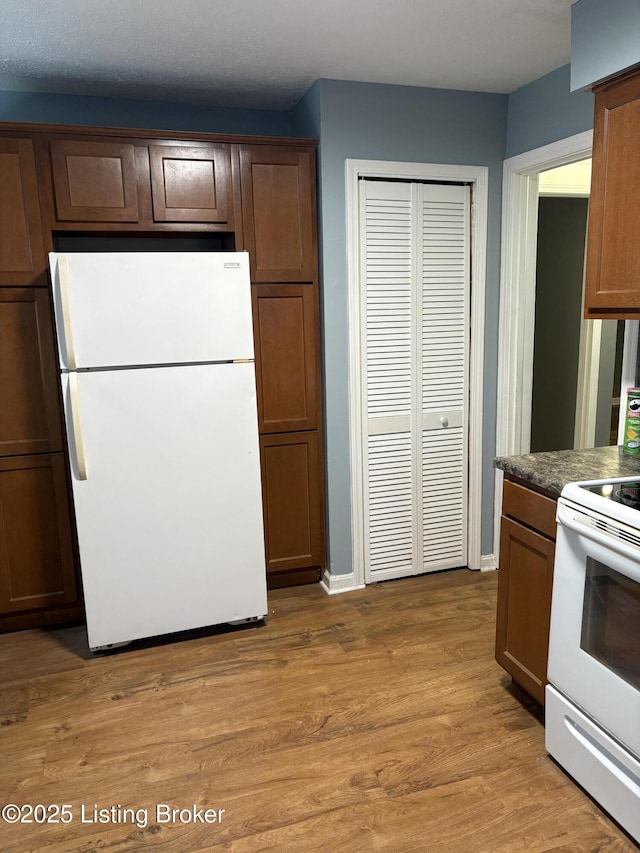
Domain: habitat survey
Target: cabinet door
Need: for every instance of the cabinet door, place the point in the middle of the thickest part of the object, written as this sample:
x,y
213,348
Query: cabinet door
x,y
94,181
190,184
278,212
525,579
612,284
22,259
287,356
36,557
30,420
292,496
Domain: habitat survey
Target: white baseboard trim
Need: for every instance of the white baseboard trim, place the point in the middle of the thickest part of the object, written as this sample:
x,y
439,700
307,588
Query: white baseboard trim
x,y
333,584
488,563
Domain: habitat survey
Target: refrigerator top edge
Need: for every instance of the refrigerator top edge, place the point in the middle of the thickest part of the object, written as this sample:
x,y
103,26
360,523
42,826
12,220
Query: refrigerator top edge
x,y
216,258
148,308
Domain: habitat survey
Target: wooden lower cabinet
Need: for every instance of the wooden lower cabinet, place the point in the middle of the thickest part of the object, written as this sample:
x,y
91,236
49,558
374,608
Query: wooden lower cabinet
x,y
36,551
525,579
293,506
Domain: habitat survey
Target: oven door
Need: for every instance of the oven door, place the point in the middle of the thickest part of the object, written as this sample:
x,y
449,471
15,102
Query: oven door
x,y
594,644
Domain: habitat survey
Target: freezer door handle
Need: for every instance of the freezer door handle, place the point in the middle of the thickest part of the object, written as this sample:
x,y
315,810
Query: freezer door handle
x,y
77,426
63,277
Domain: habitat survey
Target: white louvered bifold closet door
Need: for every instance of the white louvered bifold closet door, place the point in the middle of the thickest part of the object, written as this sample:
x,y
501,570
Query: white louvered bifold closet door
x,y
415,330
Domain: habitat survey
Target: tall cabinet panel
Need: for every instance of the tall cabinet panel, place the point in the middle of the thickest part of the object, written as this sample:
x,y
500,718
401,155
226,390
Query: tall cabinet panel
x,y
22,258
279,225
37,569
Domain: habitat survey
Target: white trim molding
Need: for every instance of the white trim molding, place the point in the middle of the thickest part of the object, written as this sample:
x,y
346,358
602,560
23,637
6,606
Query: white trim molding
x,y
334,584
517,294
488,563
478,178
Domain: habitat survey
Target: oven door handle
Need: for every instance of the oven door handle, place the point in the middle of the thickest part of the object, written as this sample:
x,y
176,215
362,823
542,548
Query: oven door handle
x,y
632,571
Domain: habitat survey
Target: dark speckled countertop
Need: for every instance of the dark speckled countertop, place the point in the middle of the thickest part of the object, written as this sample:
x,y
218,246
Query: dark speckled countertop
x,y
553,469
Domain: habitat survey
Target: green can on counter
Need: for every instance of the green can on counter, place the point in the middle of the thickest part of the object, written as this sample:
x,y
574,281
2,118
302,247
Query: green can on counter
x,y
631,443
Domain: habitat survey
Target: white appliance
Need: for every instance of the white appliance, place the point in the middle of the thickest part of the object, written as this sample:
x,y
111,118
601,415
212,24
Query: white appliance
x,y
593,698
156,360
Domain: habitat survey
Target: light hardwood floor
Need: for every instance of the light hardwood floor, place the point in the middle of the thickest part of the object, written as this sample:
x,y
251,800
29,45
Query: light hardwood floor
x,y
374,720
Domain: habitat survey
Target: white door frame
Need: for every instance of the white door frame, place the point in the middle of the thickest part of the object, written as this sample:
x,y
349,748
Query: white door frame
x,y
517,295
478,178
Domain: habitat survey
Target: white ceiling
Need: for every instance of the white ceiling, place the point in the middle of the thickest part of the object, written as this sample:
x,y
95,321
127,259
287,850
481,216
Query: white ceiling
x,y
268,53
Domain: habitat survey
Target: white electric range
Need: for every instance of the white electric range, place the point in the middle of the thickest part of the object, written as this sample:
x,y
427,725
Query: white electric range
x,y
593,696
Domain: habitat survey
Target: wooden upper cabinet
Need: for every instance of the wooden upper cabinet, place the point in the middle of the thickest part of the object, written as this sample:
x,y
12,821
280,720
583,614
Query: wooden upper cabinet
x,y
30,420
36,553
191,183
22,257
287,347
94,181
612,284
278,212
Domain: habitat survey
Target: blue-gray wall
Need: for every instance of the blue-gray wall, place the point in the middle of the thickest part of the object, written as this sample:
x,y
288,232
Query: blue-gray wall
x,y
604,40
380,122
545,111
123,112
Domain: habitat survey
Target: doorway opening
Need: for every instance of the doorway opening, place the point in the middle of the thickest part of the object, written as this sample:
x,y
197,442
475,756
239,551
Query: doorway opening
x,y
577,363
521,191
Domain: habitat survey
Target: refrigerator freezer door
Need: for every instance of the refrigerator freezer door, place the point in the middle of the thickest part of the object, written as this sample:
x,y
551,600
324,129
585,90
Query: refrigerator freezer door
x,y
130,308
169,516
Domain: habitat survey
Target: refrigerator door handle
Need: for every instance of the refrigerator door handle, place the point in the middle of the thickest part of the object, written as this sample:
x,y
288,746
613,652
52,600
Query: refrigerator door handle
x,y
77,426
63,275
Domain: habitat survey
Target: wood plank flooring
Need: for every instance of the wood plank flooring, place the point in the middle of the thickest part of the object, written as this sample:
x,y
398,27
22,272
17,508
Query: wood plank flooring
x,y
375,720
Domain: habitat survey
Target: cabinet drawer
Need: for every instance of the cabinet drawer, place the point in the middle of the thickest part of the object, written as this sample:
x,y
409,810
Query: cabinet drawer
x,y
530,508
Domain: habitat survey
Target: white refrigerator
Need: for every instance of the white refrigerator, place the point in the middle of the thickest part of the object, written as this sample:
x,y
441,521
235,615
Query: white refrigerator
x,y
158,382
